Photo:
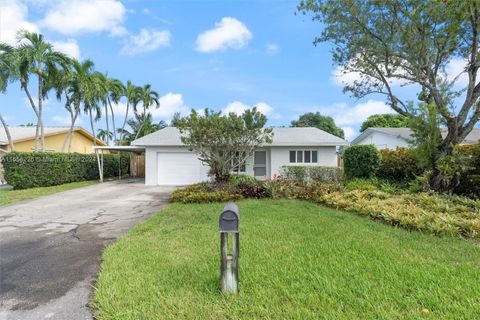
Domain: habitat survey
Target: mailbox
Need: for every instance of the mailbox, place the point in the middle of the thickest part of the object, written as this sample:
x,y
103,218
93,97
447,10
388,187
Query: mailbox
x,y
229,225
230,218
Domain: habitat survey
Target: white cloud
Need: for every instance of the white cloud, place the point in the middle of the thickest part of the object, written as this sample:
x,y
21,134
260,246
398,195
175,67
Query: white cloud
x,y
13,17
71,17
272,48
345,115
170,103
66,121
228,33
239,107
69,47
349,132
146,41
456,71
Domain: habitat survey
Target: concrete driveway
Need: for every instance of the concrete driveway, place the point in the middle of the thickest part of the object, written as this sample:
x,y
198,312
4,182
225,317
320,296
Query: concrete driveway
x,y
50,248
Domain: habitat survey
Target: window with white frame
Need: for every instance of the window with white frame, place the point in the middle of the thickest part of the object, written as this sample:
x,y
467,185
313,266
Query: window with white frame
x,y
238,167
303,156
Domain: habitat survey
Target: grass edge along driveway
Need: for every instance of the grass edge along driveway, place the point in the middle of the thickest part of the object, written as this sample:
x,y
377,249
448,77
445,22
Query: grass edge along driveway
x,y
10,196
298,260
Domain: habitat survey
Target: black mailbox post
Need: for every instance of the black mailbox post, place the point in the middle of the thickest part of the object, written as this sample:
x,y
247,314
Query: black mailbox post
x,y
229,223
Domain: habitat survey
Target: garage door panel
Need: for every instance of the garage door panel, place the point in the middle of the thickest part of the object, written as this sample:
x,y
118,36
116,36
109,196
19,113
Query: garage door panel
x,y
180,168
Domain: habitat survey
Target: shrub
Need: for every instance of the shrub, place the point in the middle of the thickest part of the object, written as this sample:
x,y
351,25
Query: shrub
x,y
237,179
422,211
316,173
470,180
203,193
361,161
27,170
297,173
399,165
254,191
325,174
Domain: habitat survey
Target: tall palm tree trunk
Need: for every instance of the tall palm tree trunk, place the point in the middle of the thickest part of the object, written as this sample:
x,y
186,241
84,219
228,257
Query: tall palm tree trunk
x,y
7,132
39,120
124,123
108,127
143,122
113,122
93,128
71,132
68,139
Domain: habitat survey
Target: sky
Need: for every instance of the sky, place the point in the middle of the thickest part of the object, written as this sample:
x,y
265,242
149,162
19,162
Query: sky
x,y
224,55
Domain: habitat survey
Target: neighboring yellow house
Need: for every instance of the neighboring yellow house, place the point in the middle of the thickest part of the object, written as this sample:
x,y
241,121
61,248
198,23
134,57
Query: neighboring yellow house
x,y
24,139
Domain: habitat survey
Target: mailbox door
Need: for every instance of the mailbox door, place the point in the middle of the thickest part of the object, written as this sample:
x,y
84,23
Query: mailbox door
x,y
229,222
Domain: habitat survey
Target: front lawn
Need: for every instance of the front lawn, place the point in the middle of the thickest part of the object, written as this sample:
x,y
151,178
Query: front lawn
x,y
9,196
298,260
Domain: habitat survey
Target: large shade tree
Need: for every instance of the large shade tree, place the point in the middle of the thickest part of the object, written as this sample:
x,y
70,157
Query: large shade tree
x,y
316,120
222,141
412,42
387,120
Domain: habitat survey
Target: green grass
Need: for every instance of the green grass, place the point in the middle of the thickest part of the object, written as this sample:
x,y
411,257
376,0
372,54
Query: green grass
x,y
9,196
298,260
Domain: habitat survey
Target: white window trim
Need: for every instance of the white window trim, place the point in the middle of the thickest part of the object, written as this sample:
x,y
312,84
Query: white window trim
x,y
303,156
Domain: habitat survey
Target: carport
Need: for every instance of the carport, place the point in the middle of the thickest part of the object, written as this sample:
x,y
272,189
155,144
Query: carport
x,y
99,151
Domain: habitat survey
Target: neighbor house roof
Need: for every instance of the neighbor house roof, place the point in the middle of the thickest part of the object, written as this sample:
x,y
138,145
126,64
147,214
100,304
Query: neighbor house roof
x,y
21,133
170,136
406,134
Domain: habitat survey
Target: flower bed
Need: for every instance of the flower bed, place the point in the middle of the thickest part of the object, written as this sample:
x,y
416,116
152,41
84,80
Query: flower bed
x,y
442,215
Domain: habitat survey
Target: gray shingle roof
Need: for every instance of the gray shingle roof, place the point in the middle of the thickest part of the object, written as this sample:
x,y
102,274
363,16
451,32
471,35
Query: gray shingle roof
x,y
406,133
170,136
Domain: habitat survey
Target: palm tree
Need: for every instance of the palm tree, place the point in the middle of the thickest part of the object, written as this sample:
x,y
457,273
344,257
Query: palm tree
x,y
94,91
37,57
72,84
141,125
117,91
7,73
133,94
104,135
149,97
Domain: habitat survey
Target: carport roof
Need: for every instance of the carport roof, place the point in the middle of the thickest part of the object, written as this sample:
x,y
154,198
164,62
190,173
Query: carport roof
x,y
291,137
121,148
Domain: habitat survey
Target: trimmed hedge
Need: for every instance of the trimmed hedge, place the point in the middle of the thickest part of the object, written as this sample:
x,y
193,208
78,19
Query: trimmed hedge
x,y
361,161
399,165
24,170
315,173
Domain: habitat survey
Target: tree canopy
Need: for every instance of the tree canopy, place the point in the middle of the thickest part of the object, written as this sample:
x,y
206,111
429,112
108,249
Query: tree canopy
x,y
385,121
316,120
224,141
389,44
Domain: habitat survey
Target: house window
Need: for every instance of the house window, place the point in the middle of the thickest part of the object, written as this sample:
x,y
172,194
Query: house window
x,y
303,156
237,166
293,157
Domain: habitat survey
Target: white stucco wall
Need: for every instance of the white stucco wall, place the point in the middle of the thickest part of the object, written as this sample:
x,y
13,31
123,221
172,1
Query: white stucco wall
x,y
276,158
280,156
383,141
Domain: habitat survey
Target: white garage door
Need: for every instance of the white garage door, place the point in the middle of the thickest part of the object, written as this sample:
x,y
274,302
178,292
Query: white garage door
x,y
180,168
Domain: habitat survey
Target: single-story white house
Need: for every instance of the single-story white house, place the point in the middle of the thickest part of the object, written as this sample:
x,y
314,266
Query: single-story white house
x,y
169,162
392,138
